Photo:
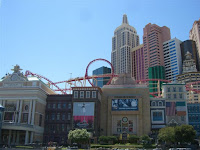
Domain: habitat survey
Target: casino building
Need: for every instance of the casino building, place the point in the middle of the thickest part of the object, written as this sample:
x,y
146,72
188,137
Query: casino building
x,y
125,107
24,100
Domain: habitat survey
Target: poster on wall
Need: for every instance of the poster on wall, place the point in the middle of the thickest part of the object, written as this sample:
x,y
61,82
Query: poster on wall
x,y
124,104
83,115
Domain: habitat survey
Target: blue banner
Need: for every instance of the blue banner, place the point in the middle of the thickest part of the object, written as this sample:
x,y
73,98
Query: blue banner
x,y
124,104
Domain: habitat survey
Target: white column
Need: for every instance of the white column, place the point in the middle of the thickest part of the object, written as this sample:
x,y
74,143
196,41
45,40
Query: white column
x,y
33,113
4,103
9,137
31,140
29,113
17,110
26,138
20,111
17,141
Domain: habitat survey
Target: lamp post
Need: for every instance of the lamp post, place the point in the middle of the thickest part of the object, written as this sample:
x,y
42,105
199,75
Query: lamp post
x,y
1,118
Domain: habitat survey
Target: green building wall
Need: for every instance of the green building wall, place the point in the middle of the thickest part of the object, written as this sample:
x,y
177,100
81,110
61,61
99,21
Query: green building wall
x,y
157,72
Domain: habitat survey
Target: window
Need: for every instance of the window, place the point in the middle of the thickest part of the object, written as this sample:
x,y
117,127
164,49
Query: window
x,y
174,96
63,116
63,127
59,106
53,116
69,116
169,96
81,94
87,94
168,89
94,95
64,105
69,106
54,106
75,94
160,103
153,103
174,89
180,89
25,117
180,96
157,116
40,120
58,116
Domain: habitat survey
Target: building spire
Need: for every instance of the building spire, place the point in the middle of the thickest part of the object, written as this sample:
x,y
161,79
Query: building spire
x,y
125,20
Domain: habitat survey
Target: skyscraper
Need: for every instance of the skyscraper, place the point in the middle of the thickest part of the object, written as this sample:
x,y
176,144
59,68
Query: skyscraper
x,y
125,37
172,58
153,38
195,36
190,46
137,62
100,82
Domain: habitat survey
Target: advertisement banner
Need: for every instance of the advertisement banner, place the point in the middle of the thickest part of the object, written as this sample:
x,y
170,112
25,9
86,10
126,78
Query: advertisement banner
x,y
83,115
124,104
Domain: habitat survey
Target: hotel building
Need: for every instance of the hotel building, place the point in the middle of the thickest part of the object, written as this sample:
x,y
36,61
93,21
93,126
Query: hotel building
x,y
125,37
137,62
172,59
24,100
153,38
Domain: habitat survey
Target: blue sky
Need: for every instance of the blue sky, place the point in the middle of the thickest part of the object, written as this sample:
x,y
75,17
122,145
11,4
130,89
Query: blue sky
x,y
57,37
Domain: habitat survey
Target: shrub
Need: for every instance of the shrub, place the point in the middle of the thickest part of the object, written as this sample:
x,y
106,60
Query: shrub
x,y
133,138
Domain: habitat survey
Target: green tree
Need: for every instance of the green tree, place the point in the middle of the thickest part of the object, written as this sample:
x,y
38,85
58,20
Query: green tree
x,y
167,134
79,136
184,133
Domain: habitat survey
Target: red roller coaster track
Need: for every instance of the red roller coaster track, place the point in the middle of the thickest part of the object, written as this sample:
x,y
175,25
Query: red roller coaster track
x,y
189,86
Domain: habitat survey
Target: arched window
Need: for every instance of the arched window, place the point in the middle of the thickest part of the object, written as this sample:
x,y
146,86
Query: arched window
x,y
153,103
160,103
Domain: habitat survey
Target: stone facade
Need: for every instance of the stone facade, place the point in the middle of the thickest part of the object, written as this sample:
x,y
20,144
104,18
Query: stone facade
x,y
131,119
24,99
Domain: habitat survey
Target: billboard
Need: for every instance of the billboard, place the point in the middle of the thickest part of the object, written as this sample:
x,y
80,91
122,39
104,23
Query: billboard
x,y
124,104
83,115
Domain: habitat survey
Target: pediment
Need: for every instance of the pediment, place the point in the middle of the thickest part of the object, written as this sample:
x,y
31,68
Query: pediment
x,y
14,77
172,122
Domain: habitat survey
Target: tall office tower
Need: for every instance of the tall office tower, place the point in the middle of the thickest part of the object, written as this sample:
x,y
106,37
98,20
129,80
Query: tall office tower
x,y
100,82
195,36
172,58
190,45
125,37
153,38
137,62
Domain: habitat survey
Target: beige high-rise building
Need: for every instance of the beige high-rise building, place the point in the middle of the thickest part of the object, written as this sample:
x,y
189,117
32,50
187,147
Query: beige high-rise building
x,y
24,100
125,37
195,36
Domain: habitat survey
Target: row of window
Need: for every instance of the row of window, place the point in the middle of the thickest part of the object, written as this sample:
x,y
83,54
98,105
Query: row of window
x,y
194,118
57,128
58,116
175,96
175,89
86,94
59,105
160,103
